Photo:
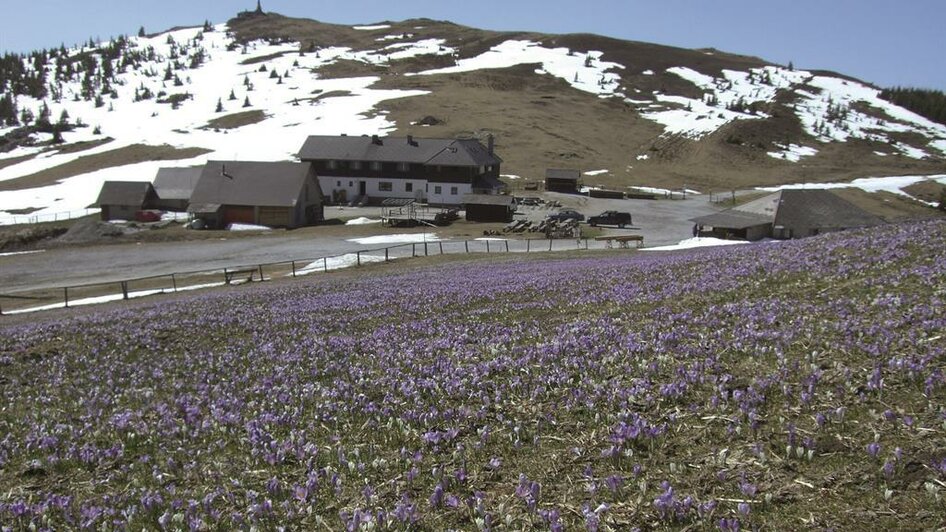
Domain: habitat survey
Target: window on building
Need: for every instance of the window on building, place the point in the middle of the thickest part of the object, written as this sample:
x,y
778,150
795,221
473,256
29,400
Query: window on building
x,y
351,184
402,167
408,187
453,191
483,169
331,165
376,165
385,186
355,165
437,189
338,183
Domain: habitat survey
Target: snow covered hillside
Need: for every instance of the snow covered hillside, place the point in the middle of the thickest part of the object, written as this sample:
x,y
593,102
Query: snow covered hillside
x,y
258,100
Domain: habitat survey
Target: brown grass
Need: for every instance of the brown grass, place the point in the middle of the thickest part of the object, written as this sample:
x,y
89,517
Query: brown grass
x,y
236,120
133,154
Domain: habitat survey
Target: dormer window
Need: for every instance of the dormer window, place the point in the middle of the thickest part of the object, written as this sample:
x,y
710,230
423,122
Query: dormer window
x,y
331,165
355,165
376,166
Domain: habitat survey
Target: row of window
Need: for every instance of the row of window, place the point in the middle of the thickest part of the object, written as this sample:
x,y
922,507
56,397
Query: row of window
x,y
358,165
376,166
387,186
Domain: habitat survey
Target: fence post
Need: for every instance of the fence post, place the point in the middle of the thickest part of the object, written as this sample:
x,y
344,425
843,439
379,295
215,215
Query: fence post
x,y
260,273
528,245
425,248
293,268
507,246
325,264
466,245
358,257
386,254
550,243
124,289
226,278
174,282
65,292
413,250
441,247
487,246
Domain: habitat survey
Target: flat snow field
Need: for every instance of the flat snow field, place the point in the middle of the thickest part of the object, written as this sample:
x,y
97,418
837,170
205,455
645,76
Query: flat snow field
x,y
662,222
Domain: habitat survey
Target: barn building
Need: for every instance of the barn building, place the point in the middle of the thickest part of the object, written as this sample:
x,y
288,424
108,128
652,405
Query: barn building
x,y
122,200
790,213
562,180
367,170
489,207
275,194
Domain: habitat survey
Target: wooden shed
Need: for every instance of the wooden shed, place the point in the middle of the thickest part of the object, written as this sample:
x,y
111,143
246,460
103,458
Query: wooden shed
x,y
562,180
275,194
122,200
489,207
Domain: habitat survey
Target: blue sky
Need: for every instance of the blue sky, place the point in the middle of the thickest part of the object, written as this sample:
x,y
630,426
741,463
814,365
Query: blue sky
x,y
884,42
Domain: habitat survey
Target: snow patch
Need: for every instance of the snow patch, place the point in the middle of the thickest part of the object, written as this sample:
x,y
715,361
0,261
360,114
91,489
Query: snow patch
x,y
247,227
401,238
585,72
11,253
337,263
698,242
893,185
372,28
792,152
362,220
596,172
510,176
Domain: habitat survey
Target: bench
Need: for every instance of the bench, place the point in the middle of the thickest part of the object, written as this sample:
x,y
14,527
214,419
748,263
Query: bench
x,y
622,240
229,275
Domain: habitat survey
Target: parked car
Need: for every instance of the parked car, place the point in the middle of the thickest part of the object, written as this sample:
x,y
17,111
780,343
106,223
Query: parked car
x,y
617,218
567,214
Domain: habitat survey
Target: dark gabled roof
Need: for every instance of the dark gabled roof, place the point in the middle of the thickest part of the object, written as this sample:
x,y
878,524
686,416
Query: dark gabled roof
x,y
124,193
268,184
820,208
733,219
444,152
488,199
562,173
177,183
813,208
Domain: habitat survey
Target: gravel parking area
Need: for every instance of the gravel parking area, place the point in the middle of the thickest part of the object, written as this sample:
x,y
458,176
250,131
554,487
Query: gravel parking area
x,y
661,222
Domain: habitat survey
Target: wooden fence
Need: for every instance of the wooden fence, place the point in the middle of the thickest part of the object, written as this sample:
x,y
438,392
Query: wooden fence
x,y
92,293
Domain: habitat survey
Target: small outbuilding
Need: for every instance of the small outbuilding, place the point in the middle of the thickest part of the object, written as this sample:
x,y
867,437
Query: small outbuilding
x,y
562,180
790,213
275,194
174,187
489,207
122,200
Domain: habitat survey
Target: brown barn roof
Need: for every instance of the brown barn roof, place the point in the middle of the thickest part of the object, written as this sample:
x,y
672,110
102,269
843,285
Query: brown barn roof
x,y
270,184
820,208
814,208
444,152
124,193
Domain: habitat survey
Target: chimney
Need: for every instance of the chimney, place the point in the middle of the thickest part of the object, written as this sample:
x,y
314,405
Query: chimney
x,y
489,143
410,140
375,140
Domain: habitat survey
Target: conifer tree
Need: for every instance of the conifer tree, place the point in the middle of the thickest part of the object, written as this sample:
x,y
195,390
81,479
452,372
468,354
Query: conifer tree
x,y
141,31
232,96
219,106
246,102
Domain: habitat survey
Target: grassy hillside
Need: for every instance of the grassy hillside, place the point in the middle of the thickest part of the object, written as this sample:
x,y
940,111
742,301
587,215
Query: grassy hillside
x,y
780,386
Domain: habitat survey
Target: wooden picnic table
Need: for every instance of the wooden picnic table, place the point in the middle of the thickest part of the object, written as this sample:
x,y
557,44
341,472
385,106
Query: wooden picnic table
x,y
622,240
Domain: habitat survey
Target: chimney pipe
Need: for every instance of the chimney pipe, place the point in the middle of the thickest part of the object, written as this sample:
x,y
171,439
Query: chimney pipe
x,y
375,140
410,140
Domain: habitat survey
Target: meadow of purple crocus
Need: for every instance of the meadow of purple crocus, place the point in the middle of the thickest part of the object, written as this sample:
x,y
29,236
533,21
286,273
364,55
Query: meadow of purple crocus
x,y
779,386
